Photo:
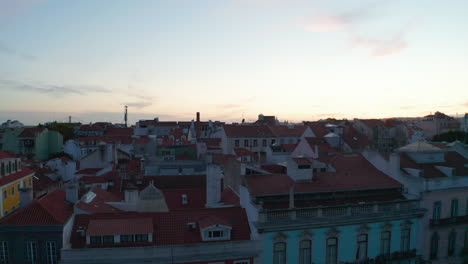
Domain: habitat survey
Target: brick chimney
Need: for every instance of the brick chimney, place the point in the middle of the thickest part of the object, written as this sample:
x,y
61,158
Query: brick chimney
x,y
197,126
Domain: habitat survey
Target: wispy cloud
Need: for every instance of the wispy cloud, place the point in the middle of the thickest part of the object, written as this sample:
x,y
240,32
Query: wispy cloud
x,y
14,52
345,22
381,47
139,105
52,89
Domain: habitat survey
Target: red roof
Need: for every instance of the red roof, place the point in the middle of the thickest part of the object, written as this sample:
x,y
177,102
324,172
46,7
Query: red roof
x,y
248,131
242,152
429,170
171,182
6,155
93,127
119,131
289,147
222,159
318,128
353,172
169,228
31,132
142,140
105,227
52,209
99,203
288,131
107,139
196,198
212,143
211,220
25,171
354,139
229,197
274,168
89,171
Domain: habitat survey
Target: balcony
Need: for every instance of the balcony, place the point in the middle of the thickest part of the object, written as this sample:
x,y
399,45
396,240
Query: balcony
x,y
345,213
394,258
450,221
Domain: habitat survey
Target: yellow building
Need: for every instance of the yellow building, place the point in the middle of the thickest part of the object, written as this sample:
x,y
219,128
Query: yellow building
x,y
13,178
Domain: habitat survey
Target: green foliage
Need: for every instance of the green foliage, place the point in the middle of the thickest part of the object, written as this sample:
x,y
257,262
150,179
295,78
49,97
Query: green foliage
x,y
65,129
452,136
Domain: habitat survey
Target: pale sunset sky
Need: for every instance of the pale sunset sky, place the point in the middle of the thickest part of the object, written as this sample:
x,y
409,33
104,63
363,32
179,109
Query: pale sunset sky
x,y
231,59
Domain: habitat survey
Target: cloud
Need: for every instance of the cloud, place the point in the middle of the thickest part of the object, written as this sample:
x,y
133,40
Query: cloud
x,y
381,47
333,22
139,105
53,90
14,52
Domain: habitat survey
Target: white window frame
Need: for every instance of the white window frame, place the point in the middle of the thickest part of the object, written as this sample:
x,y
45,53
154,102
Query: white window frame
x,y
4,252
31,251
51,252
216,228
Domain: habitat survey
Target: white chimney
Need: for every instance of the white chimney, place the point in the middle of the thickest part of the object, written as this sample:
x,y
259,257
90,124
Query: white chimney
x,y
213,185
71,190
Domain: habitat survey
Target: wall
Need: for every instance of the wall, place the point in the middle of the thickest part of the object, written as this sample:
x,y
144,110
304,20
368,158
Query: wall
x,y
347,244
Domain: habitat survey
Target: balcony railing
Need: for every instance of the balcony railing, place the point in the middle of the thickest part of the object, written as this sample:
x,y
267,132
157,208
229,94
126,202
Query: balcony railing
x,y
318,214
394,258
457,220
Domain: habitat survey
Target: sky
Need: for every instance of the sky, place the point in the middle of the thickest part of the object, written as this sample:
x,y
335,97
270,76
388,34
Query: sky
x,y
231,59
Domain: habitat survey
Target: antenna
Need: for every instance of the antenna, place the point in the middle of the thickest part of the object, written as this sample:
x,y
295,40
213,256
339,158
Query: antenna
x,y
69,119
125,116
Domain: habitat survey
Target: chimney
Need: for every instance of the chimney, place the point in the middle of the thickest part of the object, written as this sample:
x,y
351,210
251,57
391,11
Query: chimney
x,y
291,196
198,126
71,190
25,197
213,183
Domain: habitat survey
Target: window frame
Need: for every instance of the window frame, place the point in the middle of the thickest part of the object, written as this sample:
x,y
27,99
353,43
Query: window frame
x,y
434,246
305,252
405,239
385,243
31,251
4,252
454,208
279,255
51,252
329,259
236,143
436,210
452,241
365,242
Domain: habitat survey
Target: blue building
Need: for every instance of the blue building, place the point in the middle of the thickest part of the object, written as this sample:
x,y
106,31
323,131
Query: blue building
x,y
338,209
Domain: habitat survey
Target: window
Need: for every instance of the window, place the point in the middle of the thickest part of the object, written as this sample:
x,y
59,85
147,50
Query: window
x,y
436,210
31,252
466,239
305,252
95,240
279,253
434,246
51,251
264,142
466,211
332,250
255,143
107,239
454,208
236,143
184,199
141,237
451,243
361,247
405,240
215,234
385,238
5,194
246,143
3,169
273,142
4,253
303,167
12,190
126,238
246,261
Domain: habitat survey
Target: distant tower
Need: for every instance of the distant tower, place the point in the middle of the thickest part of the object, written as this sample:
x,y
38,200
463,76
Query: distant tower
x,y
69,119
125,116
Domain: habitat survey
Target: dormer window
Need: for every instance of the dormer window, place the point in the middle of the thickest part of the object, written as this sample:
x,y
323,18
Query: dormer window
x,y
217,232
184,199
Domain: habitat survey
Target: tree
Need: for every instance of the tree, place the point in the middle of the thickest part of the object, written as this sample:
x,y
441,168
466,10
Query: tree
x,y
452,136
66,130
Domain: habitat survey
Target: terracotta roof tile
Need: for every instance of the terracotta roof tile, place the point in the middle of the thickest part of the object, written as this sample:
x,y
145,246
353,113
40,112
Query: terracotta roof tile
x,y
248,131
52,209
25,171
29,132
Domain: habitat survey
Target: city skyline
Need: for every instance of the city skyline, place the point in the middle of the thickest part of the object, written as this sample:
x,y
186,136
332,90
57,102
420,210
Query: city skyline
x,y
298,60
